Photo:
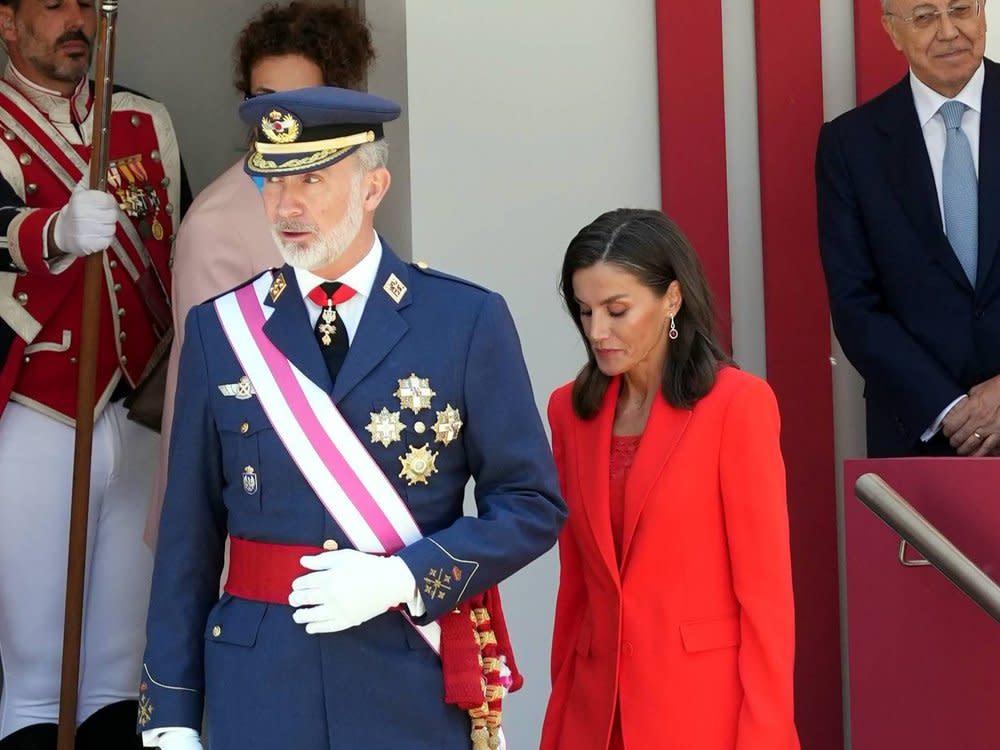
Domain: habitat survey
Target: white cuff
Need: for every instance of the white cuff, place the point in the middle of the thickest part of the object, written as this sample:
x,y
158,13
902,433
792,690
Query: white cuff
x,y
152,737
413,602
934,428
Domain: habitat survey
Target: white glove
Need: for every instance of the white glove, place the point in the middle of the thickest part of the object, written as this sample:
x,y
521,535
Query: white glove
x,y
87,223
348,588
176,738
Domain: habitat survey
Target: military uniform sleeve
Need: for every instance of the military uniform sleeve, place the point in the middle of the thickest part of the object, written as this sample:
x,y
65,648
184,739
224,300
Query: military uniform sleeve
x,y
189,553
520,511
23,230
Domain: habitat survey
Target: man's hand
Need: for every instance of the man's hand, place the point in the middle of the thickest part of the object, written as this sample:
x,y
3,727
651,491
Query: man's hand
x,y
973,425
348,588
87,223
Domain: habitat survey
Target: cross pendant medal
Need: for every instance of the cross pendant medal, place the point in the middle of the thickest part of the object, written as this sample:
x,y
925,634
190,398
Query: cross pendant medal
x,y
327,328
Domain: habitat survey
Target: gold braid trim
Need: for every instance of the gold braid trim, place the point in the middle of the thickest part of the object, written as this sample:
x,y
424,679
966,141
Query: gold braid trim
x,y
486,719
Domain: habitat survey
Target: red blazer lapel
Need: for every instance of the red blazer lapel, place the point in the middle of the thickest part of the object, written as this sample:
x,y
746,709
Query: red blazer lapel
x,y
593,465
663,430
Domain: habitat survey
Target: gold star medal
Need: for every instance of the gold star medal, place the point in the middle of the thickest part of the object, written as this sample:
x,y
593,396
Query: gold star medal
x,y
414,393
418,465
448,425
385,427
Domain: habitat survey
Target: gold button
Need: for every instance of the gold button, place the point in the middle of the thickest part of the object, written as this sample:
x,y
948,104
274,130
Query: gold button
x,y
121,312
135,121
420,428
118,287
169,208
73,360
27,359
216,631
122,336
245,428
22,297
25,159
112,264
330,545
32,188
423,265
165,182
124,360
9,136
155,156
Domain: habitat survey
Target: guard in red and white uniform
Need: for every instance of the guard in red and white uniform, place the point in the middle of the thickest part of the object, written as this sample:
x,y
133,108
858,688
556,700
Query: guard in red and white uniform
x,y
48,222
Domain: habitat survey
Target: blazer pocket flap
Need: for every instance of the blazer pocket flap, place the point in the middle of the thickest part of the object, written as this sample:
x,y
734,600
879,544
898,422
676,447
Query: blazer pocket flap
x,y
235,621
705,635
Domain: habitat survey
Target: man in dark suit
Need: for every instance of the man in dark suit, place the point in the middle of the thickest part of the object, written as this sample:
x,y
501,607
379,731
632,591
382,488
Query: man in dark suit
x,y
329,416
908,190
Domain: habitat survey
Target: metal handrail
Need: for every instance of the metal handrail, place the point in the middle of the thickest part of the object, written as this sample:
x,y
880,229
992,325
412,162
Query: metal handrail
x,y
918,532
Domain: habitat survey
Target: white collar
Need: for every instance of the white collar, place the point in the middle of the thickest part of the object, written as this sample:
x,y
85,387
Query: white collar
x,y
928,101
56,106
360,277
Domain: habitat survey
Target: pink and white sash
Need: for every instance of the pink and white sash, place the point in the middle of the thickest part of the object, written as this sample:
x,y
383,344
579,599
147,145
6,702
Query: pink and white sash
x,y
334,462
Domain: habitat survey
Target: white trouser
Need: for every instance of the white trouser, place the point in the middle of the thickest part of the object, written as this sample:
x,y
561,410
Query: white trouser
x,y
36,472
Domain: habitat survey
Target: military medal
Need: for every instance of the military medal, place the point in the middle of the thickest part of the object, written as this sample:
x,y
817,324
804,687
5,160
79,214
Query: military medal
x,y
418,465
448,425
250,480
414,393
327,327
157,229
385,427
241,391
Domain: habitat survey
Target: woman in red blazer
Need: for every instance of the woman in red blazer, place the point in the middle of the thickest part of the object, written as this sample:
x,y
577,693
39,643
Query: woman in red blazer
x,y
674,623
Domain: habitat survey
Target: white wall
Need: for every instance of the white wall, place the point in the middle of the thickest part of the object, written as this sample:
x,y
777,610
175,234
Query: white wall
x,y
525,121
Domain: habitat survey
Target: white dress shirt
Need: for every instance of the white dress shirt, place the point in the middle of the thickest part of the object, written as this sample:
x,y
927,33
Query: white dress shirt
x,y
361,278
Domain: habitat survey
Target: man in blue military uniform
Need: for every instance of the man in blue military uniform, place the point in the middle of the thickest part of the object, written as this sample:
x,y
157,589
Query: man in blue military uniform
x,y
330,414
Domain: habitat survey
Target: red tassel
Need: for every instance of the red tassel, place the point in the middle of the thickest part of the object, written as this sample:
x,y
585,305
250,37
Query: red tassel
x,y
460,665
493,606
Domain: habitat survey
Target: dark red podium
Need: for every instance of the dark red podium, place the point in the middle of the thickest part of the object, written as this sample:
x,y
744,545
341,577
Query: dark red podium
x,y
924,660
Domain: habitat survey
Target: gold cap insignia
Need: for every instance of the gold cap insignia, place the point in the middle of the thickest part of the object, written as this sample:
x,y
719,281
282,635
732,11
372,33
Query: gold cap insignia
x,y
414,393
448,425
280,127
241,390
278,285
395,288
385,427
418,465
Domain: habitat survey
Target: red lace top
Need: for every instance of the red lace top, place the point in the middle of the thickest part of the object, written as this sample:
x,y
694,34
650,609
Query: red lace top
x,y
623,448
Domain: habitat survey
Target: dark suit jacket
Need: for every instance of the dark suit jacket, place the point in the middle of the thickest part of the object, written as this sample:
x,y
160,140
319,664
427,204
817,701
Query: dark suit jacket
x,y
904,311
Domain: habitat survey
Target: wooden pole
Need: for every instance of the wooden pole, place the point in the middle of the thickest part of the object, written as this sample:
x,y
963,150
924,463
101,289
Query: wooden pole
x,y
86,386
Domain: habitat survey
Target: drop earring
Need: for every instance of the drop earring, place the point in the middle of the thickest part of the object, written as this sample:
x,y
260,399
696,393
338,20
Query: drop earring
x,y
672,334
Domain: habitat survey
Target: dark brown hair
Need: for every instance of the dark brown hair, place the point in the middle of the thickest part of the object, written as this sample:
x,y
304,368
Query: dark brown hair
x,y
652,248
334,38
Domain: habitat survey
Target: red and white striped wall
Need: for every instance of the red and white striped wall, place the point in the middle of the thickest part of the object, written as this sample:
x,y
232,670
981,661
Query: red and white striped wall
x,y
742,87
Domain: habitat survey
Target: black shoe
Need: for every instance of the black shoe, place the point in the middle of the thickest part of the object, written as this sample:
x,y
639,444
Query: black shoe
x,y
110,728
35,737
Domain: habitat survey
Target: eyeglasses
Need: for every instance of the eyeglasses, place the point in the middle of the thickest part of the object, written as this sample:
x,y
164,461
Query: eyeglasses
x,y
924,17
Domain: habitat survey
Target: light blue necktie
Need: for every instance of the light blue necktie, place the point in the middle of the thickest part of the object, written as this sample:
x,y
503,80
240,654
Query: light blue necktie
x,y
960,189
